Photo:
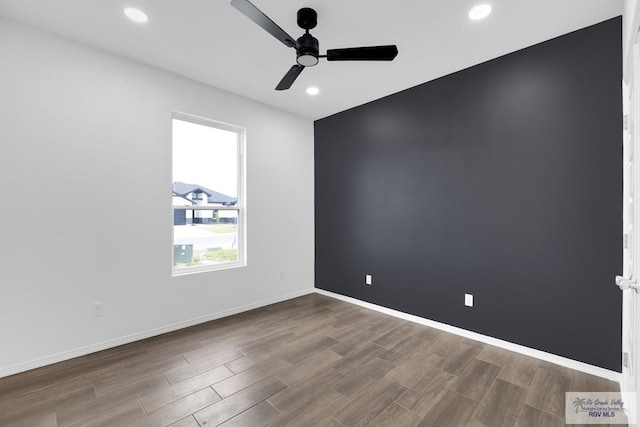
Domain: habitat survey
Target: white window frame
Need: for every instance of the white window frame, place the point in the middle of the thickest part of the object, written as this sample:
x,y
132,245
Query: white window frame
x,y
240,207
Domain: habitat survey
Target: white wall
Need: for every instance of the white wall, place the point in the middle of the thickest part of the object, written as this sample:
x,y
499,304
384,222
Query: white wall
x,y
630,10
80,125
629,23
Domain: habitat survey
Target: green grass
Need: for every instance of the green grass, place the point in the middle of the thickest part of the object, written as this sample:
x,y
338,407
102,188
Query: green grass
x,y
203,257
222,255
220,228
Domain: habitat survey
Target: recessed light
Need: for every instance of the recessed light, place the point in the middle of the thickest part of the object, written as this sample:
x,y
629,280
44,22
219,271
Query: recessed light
x,y
312,90
136,15
480,12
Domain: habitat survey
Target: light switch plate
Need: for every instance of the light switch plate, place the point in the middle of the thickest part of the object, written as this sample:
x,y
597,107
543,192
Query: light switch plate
x,y
368,279
468,300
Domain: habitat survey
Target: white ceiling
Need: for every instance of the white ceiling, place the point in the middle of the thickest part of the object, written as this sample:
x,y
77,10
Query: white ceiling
x,y
211,42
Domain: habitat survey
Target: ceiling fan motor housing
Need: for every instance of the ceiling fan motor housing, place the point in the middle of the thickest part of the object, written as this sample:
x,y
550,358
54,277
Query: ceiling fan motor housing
x,y
308,46
308,50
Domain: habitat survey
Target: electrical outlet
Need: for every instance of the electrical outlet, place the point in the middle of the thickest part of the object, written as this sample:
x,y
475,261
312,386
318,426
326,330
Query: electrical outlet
x,y
97,309
368,279
281,275
468,300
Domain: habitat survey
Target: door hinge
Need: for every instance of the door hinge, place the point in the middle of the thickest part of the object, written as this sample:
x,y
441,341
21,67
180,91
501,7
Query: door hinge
x,y
626,122
625,359
626,241
630,283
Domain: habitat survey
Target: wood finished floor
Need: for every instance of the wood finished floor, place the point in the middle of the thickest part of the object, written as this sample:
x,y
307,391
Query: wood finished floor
x,y
311,361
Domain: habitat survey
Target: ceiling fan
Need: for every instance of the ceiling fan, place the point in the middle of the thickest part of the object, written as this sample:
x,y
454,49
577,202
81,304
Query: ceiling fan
x,y
307,47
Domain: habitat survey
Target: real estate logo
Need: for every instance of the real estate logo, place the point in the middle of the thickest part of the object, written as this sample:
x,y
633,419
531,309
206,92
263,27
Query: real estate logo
x,y
599,408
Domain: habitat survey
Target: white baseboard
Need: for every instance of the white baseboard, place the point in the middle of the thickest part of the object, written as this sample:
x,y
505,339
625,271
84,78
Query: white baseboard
x,y
60,357
558,360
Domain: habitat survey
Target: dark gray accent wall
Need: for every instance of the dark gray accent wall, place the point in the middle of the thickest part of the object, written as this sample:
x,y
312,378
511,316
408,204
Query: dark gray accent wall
x,y
503,180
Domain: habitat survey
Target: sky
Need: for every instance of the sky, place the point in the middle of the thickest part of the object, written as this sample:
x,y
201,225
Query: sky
x,y
205,156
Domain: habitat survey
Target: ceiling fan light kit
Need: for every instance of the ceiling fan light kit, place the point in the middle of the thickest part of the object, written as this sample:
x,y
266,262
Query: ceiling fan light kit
x,y
307,47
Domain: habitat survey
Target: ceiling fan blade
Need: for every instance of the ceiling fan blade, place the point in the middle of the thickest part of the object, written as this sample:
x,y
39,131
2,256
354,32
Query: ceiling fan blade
x,y
290,77
370,53
256,15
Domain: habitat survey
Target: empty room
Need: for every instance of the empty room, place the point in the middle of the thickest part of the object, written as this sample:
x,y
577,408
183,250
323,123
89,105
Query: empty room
x,y
319,213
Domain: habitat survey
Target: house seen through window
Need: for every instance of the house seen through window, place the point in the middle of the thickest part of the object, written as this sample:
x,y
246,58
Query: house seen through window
x,y
208,216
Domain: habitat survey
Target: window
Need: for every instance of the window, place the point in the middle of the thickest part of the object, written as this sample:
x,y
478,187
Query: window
x,y
207,193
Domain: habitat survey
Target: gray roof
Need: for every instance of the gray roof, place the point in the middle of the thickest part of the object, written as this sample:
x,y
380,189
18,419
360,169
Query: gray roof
x,y
182,189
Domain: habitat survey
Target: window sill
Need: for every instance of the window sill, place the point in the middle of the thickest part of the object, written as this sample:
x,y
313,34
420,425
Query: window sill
x,y
207,269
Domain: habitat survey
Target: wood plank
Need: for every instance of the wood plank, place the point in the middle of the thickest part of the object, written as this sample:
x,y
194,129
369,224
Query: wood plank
x,y
81,370
426,333
53,393
444,344
394,336
186,422
562,370
6,405
475,423
320,313
459,358
348,318
347,333
307,349
397,416
306,392
430,388
351,362
275,339
309,324
347,346
404,349
256,416
112,416
249,377
131,386
325,405
547,391
156,399
581,381
182,373
207,352
409,371
309,367
370,403
48,420
243,363
50,400
381,324
235,404
175,411
502,404
360,379
519,370
476,380
495,355
330,422
145,366
532,417
110,407
452,410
